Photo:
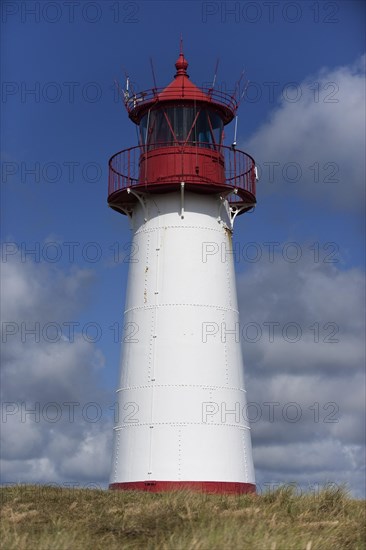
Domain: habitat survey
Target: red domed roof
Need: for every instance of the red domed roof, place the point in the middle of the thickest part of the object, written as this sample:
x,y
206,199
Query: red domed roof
x,y
180,89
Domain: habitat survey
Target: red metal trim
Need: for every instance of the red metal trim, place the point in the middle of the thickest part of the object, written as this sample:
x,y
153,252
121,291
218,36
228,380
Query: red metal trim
x,y
170,127
193,125
220,487
211,130
139,103
239,174
164,166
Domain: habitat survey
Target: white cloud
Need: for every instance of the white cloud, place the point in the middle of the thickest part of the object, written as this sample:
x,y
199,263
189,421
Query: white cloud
x,y
308,302
30,287
324,128
57,442
92,457
324,137
324,380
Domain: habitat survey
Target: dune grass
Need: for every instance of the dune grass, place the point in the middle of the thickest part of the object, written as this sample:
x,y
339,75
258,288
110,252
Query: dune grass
x,y
43,518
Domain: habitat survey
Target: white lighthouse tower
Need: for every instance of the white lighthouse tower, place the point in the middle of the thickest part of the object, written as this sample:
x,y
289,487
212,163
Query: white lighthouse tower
x,y
181,396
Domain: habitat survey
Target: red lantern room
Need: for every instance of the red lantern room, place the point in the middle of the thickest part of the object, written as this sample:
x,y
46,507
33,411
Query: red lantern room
x,y
181,130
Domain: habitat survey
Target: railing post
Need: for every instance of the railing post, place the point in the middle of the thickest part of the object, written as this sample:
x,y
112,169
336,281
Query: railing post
x,y
129,165
234,152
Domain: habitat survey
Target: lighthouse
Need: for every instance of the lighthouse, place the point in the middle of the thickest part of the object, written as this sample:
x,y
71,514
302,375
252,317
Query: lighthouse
x,y
181,420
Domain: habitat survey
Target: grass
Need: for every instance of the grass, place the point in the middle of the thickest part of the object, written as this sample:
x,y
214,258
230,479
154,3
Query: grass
x,y
46,518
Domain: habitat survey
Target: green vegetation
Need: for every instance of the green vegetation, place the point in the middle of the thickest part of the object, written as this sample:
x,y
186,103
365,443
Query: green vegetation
x,y
44,518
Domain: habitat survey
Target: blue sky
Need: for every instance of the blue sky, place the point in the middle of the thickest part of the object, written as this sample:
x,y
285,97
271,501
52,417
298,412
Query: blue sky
x,y
311,55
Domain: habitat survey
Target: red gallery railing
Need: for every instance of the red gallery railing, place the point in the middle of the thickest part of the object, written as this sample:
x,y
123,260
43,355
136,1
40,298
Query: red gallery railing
x,y
139,100
223,168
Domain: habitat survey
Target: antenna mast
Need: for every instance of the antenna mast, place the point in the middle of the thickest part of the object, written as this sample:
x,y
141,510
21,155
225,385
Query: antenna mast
x,y
235,131
153,73
215,74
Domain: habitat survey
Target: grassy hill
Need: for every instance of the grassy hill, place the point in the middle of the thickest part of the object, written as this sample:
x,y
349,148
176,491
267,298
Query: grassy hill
x,y
43,518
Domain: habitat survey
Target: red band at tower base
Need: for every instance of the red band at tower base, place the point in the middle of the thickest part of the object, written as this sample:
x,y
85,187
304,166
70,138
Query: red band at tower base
x,y
220,487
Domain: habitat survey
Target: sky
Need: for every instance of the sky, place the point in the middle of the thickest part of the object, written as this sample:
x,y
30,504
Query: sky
x,y
299,257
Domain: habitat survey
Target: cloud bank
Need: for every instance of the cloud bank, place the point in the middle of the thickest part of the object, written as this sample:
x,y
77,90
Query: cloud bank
x,y
313,145
305,373
54,426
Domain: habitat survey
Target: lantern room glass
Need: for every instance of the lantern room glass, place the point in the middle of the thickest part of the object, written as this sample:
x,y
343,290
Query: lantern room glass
x,y
181,124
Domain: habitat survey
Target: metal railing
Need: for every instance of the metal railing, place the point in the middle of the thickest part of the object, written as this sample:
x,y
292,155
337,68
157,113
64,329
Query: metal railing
x,y
239,171
215,96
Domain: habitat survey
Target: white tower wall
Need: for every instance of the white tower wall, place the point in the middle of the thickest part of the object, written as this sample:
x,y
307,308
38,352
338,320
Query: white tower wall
x,y
181,392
